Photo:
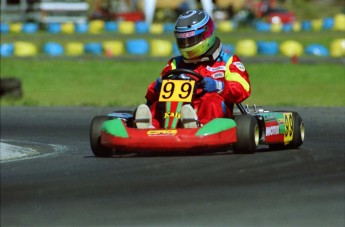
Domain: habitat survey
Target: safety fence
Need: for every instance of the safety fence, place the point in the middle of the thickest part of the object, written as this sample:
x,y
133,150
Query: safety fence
x,y
166,48
336,23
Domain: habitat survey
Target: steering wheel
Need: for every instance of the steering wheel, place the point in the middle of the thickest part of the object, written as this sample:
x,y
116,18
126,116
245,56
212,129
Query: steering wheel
x,y
199,79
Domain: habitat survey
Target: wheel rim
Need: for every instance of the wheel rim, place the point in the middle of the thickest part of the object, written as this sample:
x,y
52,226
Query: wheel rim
x,y
302,130
256,135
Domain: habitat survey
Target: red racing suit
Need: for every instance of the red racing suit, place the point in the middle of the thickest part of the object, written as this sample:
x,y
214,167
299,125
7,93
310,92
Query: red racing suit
x,y
226,68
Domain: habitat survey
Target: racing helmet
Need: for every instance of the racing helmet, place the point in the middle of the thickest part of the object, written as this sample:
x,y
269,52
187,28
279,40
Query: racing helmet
x,y
194,33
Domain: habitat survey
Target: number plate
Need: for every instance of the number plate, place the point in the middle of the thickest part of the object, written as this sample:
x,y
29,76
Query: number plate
x,y
176,91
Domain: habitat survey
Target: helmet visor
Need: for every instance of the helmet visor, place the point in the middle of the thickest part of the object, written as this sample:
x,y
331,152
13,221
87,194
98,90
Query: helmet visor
x,y
189,39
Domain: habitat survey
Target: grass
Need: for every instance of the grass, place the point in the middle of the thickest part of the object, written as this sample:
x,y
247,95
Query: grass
x,y
94,82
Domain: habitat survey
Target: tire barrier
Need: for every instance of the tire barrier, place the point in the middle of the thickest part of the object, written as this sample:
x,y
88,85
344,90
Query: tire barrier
x,y
141,27
225,26
93,48
126,27
96,26
137,47
291,48
74,49
54,28
67,28
246,48
24,49
317,50
162,48
81,28
336,23
156,29
337,48
30,28
111,26
113,48
53,49
6,49
267,48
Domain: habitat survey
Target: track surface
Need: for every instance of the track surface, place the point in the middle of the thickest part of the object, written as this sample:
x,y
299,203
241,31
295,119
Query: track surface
x,y
69,187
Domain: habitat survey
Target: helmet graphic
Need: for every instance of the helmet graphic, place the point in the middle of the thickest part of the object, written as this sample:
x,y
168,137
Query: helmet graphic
x,y
194,33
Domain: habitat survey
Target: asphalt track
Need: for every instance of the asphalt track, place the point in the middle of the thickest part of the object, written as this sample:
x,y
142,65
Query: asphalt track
x,y
65,185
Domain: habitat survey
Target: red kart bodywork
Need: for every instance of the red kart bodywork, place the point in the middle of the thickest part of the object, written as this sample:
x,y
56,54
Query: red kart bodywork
x,y
168,140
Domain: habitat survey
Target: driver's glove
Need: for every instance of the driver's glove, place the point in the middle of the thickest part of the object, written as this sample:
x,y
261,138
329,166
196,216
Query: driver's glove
x,y
158,84
211,85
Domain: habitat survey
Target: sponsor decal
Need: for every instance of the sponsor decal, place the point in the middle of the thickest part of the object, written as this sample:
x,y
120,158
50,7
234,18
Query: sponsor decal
x,y
172,114
239,65
269,117
162,132
288,127
218,75
211,69
272,130
185,35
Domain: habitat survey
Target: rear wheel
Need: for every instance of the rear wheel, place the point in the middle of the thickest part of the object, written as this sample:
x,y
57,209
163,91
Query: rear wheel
x,y
298,135
95,137
248,134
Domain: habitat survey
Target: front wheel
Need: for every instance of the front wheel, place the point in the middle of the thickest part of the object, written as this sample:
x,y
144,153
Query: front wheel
x,y
248,134
95,137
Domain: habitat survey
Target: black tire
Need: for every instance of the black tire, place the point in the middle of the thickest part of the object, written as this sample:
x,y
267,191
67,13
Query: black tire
x,y
298,134
10,86
95,137
248,134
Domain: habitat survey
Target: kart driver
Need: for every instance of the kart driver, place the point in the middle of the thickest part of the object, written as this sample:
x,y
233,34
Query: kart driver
x,y
226,80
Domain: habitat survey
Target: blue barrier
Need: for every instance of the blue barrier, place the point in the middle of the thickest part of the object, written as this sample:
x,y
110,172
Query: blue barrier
x,y
317,50
81,27
6,49
30,28
141,27
175,50
306,25
4,28
328,23
263,26
111,26
54,28
53,49
137,46
287,27
169,27
268,48
229,48
93,48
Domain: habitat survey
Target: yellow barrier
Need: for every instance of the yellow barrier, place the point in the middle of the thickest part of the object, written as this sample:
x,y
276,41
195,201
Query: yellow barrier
x,y
161,48
113,48
296,27
339,22
74,49
156,28
317,24
337,48
67,28
276,27
291,48
126,27
16,27
96,26
24,49
246,48
225,26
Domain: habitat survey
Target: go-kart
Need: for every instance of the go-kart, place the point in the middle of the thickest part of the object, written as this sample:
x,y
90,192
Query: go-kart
x,y
249,126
